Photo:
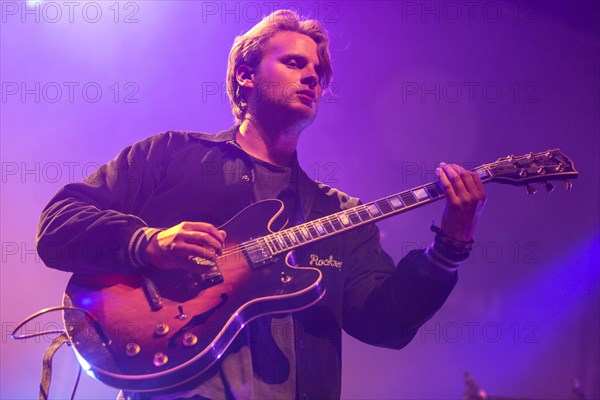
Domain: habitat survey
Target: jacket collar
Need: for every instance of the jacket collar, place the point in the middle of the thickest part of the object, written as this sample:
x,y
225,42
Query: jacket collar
x,y
223,136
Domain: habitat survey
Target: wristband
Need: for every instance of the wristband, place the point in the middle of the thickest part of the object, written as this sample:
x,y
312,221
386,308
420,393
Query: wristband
x,y
450,248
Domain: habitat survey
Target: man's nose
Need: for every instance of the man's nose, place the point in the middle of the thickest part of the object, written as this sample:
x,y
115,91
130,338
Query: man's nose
x,y
310,78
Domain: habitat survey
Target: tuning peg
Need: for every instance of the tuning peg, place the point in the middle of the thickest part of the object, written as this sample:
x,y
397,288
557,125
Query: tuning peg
x,y
531,189
568,185
549,187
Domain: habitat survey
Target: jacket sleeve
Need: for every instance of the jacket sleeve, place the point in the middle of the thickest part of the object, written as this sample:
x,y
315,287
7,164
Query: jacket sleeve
x,y
385,305
88,226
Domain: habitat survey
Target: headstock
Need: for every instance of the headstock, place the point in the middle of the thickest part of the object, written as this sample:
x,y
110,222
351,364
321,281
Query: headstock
x,y
531,168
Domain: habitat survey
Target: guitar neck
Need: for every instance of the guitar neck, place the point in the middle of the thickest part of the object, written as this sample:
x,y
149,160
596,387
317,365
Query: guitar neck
x,y
288,239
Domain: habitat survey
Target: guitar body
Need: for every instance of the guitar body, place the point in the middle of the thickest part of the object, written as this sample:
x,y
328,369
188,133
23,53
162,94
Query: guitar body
x,y
163,330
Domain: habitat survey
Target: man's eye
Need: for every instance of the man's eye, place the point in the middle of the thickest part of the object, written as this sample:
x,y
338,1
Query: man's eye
x,y
292,63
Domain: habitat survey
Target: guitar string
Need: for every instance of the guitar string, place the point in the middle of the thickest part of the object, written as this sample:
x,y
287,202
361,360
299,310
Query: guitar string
x,y
331,219
253,245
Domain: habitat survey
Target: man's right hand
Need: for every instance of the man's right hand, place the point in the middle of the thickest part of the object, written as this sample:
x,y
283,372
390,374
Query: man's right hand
x,y
177,246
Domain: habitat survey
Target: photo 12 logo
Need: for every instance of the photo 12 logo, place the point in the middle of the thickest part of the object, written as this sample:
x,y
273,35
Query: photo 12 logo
x,y
468,12
53,12
211,91
469,92
69,92
254,11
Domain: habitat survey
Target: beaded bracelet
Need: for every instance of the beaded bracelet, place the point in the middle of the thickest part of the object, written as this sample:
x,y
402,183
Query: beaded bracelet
x,y
452,249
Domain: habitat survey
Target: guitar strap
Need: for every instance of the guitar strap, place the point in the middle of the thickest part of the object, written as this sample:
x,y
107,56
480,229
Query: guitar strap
x,y
47,364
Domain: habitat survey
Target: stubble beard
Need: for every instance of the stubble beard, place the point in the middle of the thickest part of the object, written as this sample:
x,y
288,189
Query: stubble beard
x,y
281,113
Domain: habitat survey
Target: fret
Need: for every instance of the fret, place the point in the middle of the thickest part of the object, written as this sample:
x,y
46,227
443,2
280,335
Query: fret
x,y
373,210
312,230
298,235
384,206
335,222
269,246
354,217
364,215
305,232
289,233
420,194
274,243
345,220
281,241
395,202
328,227
320,228
408,198
288,241
434,190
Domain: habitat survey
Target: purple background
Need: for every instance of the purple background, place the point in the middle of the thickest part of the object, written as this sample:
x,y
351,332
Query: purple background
x,y
415,84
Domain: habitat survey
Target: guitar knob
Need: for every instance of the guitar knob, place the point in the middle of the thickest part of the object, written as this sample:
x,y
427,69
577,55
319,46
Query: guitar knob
x,y
132,349
549,187
160,359
161,329
285,278
181,316
531,189
189,339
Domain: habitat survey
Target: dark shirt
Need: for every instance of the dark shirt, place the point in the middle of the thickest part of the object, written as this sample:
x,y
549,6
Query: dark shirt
x,y
174,177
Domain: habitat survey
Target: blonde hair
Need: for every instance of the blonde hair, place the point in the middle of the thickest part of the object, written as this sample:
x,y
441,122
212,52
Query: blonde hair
x,y
247,49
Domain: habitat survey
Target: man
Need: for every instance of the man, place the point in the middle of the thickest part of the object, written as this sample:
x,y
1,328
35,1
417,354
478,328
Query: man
x,y
160,202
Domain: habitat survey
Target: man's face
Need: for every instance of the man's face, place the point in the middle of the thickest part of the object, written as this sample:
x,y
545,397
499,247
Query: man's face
x,y
287,79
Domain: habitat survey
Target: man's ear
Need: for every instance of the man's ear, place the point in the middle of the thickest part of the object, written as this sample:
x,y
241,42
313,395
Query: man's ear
x,y
244,76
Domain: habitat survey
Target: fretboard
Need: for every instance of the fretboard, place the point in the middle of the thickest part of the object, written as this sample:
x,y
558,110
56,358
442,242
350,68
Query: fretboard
x,y
266,247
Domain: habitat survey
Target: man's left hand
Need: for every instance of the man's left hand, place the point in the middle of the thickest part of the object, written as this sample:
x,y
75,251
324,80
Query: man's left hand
x,y
465,198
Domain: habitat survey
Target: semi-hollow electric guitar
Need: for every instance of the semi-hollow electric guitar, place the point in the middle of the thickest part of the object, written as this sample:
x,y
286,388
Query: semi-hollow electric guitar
x,y
162,330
